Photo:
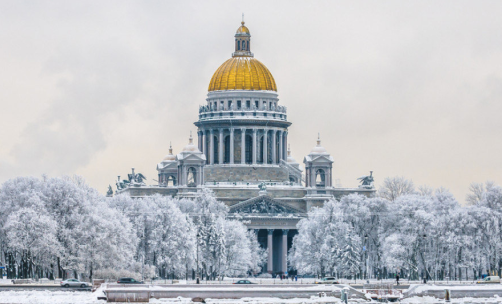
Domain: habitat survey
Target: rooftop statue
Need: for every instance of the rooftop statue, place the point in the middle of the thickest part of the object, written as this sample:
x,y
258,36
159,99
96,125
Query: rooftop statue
x,y
367,181
122,184
262,186
136,179
110,191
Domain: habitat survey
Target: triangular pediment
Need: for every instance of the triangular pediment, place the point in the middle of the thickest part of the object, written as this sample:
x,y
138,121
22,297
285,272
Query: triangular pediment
x,y
192,157
166,166
263,204
322,158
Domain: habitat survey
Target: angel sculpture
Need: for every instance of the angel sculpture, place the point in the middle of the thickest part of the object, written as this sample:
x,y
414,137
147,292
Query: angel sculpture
x,y
367,181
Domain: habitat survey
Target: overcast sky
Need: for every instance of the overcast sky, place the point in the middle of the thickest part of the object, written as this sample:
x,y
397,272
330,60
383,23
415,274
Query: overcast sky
x,y
408,88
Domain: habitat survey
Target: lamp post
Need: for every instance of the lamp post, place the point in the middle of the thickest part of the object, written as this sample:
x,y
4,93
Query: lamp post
x,y
197,259
365,249
423,258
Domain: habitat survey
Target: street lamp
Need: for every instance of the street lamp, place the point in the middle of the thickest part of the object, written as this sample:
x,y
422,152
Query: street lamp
x,y
366,258
423,258
197,275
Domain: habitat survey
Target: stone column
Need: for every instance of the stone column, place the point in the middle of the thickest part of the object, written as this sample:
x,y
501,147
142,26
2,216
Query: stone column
x,y
274,145
270,245
232,146
254,146
243,146
211,147
285,145
313,176
265,148
327,177
220,147
281,150
204,144
285,250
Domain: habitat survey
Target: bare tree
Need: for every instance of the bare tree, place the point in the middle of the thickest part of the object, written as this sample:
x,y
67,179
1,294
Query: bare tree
x,y
394,187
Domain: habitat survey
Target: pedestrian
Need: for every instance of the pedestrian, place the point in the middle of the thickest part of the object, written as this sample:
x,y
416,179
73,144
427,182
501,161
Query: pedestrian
x,y
397,279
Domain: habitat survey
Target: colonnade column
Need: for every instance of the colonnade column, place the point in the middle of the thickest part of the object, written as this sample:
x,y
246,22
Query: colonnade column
x,y
265,148
270,244
254,146
274,147
220,147
231,145
281,150
243,145
211,146
285,250
285,144
199,140
204,144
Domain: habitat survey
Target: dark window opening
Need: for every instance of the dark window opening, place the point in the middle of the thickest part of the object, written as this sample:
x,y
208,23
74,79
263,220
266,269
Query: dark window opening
x,y
226,159
216,150
249,149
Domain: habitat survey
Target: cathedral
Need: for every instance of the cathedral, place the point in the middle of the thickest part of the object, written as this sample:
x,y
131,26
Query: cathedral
x,y
242,155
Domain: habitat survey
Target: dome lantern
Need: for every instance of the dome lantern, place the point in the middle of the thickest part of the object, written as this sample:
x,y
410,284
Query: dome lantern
x,y
242,41
242,71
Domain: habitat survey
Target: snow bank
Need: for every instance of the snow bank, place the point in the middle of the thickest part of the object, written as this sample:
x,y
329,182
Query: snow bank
x,y
48,297
467,300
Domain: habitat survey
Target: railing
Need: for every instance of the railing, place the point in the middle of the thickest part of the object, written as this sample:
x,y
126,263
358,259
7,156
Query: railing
x,y
243,114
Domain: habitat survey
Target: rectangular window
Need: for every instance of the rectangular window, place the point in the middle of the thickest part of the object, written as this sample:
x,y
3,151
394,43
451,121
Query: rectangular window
x,y
238,104
248,104
222,105
229,104
256,103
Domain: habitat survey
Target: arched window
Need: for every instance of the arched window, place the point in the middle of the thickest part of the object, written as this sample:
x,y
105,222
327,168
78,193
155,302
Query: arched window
x,y
238,45
243,45
249,149
191,177
320,178
216,150
226,159
171,180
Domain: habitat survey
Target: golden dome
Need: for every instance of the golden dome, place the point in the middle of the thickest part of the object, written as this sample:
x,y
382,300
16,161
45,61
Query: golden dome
x,y
242,73
243,29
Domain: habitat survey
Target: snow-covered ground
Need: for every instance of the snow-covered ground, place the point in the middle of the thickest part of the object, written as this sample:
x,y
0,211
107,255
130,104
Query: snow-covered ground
x,y
48,297
70,297
467,300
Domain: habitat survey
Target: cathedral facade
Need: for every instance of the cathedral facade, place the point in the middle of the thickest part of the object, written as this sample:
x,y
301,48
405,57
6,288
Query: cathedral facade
x,y
242,155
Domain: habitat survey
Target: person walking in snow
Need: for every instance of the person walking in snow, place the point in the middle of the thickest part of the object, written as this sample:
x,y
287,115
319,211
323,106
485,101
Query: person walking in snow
x,y
397,279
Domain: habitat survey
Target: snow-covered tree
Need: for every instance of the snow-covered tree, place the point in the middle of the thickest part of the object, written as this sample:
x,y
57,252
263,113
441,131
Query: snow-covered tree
x,y
394,187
